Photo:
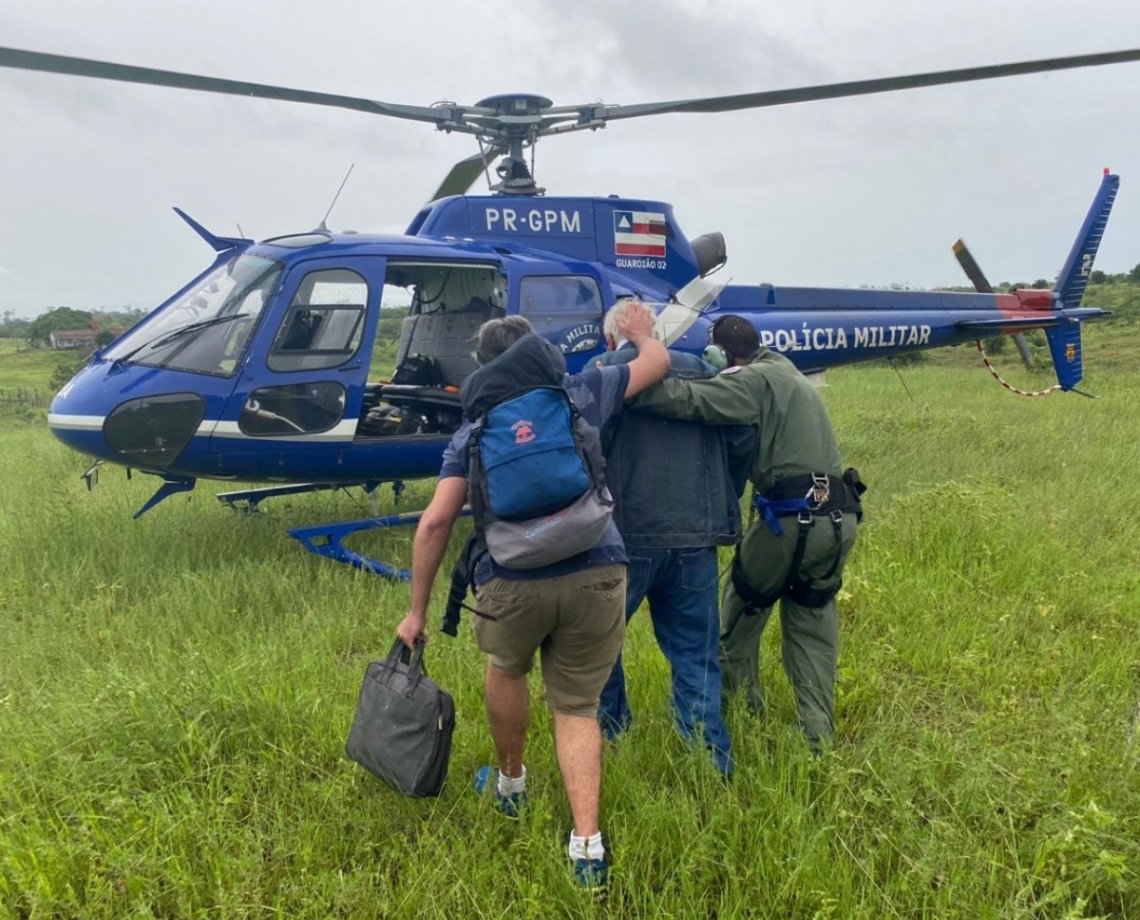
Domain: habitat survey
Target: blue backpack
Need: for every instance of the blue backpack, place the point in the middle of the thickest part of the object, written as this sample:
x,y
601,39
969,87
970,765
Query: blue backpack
x,y
537,479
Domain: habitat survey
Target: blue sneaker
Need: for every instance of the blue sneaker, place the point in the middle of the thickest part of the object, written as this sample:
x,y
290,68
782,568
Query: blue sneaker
x,y
592,875
512,805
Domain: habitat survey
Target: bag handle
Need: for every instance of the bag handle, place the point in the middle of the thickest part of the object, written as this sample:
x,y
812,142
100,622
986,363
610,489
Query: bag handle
x,y
413,659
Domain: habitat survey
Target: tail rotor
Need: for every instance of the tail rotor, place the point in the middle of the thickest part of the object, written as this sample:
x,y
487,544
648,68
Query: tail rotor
x,y
982,286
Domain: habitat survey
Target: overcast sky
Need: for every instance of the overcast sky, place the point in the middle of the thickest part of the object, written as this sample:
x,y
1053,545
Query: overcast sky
x,y
868,191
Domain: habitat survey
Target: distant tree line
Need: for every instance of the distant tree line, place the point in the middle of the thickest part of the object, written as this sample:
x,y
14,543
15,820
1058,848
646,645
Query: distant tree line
x,y
1095,277
13,326
109,324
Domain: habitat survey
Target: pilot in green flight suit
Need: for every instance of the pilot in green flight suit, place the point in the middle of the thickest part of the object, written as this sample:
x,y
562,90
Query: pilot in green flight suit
x,y
806,509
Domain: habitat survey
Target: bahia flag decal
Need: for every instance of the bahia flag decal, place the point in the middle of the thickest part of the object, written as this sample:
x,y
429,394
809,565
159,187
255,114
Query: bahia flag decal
x,y
639,233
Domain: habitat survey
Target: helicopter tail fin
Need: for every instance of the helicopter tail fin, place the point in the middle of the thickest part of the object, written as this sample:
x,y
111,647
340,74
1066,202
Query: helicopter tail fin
x,y
1075,273
1064,338
1065,350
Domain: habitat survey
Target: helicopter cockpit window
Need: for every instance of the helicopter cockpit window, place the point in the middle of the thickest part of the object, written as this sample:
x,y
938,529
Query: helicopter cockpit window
x,y
556,304
324,323
207,331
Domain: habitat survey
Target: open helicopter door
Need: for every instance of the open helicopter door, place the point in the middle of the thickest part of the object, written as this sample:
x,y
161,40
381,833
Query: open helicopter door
x,y
566,304
299,393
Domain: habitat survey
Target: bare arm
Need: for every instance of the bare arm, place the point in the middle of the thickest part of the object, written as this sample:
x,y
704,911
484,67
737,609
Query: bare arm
x,y
652,361
428,547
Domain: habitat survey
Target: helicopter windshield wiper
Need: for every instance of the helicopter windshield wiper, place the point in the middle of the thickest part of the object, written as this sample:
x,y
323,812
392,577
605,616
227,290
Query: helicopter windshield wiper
x,y
175,334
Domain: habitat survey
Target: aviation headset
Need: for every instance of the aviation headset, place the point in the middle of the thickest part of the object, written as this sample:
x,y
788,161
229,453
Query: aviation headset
x,y
715,354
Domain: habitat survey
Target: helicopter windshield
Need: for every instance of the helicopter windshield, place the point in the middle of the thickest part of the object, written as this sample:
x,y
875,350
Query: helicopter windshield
x,y
207,331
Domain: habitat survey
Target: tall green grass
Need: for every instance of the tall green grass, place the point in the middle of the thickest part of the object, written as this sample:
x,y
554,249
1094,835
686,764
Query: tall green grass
x,y
175,692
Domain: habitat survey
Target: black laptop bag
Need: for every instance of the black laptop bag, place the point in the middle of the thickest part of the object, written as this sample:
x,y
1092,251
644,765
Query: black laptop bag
x,y
403,724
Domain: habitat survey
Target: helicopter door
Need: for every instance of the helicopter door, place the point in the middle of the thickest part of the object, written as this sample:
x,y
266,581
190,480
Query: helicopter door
x,y
566,308
305,377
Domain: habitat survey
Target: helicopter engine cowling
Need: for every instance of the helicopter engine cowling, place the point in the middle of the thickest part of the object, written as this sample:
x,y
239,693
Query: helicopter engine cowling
x,y
709,248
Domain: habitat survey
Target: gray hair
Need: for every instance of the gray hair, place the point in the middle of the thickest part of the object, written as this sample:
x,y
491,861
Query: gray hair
x,y
497,335
610,324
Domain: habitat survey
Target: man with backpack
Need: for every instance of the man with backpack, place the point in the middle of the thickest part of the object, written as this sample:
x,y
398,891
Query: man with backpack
x,y
569,609
676,488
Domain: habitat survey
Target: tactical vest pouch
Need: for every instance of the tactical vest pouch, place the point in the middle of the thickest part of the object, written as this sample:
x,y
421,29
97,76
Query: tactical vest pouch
x,y
857,487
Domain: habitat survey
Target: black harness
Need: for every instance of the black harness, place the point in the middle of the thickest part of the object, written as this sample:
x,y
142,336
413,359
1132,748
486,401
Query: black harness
x,y
808,496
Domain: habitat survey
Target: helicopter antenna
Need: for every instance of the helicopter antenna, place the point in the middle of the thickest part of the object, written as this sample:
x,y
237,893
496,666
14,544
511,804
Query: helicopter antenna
x,y
323,226
240,232
894,365
486,161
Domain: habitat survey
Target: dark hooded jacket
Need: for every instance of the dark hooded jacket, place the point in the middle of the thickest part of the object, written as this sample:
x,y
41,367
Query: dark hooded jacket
x,y
676,485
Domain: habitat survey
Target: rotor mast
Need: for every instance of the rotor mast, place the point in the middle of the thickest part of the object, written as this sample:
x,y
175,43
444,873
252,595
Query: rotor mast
x,y
509,124
514,126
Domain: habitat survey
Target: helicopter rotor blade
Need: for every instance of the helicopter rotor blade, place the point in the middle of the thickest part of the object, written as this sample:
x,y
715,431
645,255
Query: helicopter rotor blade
x,y
861,87
476,120
464,173
103,70
971,268
982,286
497,120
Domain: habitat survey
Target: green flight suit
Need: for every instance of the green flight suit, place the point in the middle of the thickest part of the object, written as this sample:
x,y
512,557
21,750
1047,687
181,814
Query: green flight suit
x,y
794,438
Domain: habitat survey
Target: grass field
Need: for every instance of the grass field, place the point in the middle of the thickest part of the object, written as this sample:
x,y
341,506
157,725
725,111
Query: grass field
x,y
175,693
25,377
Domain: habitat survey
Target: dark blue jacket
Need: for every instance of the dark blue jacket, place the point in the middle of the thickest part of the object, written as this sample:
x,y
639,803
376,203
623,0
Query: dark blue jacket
x,y
676,484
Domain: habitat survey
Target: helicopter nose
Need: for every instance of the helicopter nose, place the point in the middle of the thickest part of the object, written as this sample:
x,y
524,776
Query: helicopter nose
x,y
151,431
147,432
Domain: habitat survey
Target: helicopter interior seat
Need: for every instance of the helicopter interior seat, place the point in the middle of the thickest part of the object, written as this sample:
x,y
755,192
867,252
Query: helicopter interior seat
x,y
447,337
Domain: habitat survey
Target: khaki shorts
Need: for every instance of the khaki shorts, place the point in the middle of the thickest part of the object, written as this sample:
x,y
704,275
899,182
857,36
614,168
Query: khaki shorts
x,y
576,622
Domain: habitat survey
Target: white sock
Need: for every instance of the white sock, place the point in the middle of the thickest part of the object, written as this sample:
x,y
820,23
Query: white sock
x,y
512,785
586,847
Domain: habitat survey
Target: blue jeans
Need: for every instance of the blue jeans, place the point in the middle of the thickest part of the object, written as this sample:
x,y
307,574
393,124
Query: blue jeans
x,y
681,587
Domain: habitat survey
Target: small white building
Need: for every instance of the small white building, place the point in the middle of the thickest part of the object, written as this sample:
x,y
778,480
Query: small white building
x,y
73,339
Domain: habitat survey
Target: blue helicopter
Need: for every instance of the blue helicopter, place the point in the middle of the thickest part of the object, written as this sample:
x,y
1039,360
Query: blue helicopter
x,y
260,370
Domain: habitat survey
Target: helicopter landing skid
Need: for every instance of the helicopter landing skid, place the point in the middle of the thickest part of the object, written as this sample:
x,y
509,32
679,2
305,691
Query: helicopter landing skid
x,y
324,540
252,497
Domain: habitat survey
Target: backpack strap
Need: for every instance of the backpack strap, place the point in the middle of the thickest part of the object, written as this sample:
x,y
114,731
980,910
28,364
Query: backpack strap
x,y
476,477
589,444
462,579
